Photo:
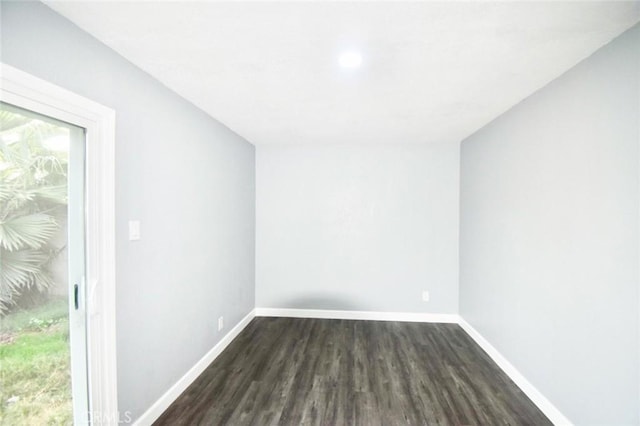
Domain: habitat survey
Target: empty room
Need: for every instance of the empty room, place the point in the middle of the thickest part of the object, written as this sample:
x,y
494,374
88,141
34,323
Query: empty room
x,y
320,212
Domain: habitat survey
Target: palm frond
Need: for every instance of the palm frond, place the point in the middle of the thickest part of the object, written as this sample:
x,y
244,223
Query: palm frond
x,y
22,270
32,231
10,120
57,193
32,193
53,193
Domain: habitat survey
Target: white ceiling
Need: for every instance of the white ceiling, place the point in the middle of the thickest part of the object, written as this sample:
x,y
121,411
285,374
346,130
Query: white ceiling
x,y
431,71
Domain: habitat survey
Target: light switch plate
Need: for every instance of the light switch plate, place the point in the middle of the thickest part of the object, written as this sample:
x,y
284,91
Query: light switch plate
x,y
134,230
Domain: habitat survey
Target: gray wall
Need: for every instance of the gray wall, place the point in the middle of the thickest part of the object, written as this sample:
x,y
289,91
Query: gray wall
x,y
549,236
358,227
187,178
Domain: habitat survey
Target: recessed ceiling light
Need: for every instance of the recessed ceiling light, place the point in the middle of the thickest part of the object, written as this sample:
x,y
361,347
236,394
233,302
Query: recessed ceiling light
x,y
350,59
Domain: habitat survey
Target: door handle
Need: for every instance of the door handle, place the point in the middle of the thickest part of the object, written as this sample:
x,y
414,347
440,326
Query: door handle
x,y
75,296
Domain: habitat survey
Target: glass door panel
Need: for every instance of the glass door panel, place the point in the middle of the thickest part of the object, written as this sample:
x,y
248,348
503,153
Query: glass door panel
x,y
43,356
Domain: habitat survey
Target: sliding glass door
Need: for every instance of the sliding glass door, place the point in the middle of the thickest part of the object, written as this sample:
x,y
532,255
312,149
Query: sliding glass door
x,y
43,322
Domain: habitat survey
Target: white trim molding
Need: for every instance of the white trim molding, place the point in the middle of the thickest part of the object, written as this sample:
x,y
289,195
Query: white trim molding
x,y
556,417
26,91
156,410
357,315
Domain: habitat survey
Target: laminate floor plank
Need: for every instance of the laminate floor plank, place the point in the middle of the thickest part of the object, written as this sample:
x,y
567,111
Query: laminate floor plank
x,y
290,371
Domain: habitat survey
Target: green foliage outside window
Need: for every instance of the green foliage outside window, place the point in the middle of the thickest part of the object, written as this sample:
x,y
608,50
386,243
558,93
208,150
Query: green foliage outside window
x,y
33,200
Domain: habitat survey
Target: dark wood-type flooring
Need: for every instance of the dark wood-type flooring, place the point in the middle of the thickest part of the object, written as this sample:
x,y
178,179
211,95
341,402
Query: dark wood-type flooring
x,y
286,371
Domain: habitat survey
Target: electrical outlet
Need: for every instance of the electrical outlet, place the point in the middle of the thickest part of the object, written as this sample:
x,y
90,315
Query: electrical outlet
x,y
425,296
220,323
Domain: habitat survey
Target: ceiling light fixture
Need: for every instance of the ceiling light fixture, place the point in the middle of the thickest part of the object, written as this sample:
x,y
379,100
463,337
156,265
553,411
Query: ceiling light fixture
x,y
350,59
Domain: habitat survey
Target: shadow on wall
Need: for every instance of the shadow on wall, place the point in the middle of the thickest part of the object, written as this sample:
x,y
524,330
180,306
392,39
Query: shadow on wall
x,y
321,301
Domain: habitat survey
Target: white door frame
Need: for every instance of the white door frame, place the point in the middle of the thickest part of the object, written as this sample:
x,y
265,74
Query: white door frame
x,y
26,91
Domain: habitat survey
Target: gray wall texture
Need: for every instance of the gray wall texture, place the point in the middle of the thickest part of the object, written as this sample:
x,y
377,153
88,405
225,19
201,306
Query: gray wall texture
x,y
358,227
549,236
187,178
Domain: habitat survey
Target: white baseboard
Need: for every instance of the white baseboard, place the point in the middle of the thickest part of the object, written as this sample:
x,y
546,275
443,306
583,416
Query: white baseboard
x,y
556,417
357,315
156,410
